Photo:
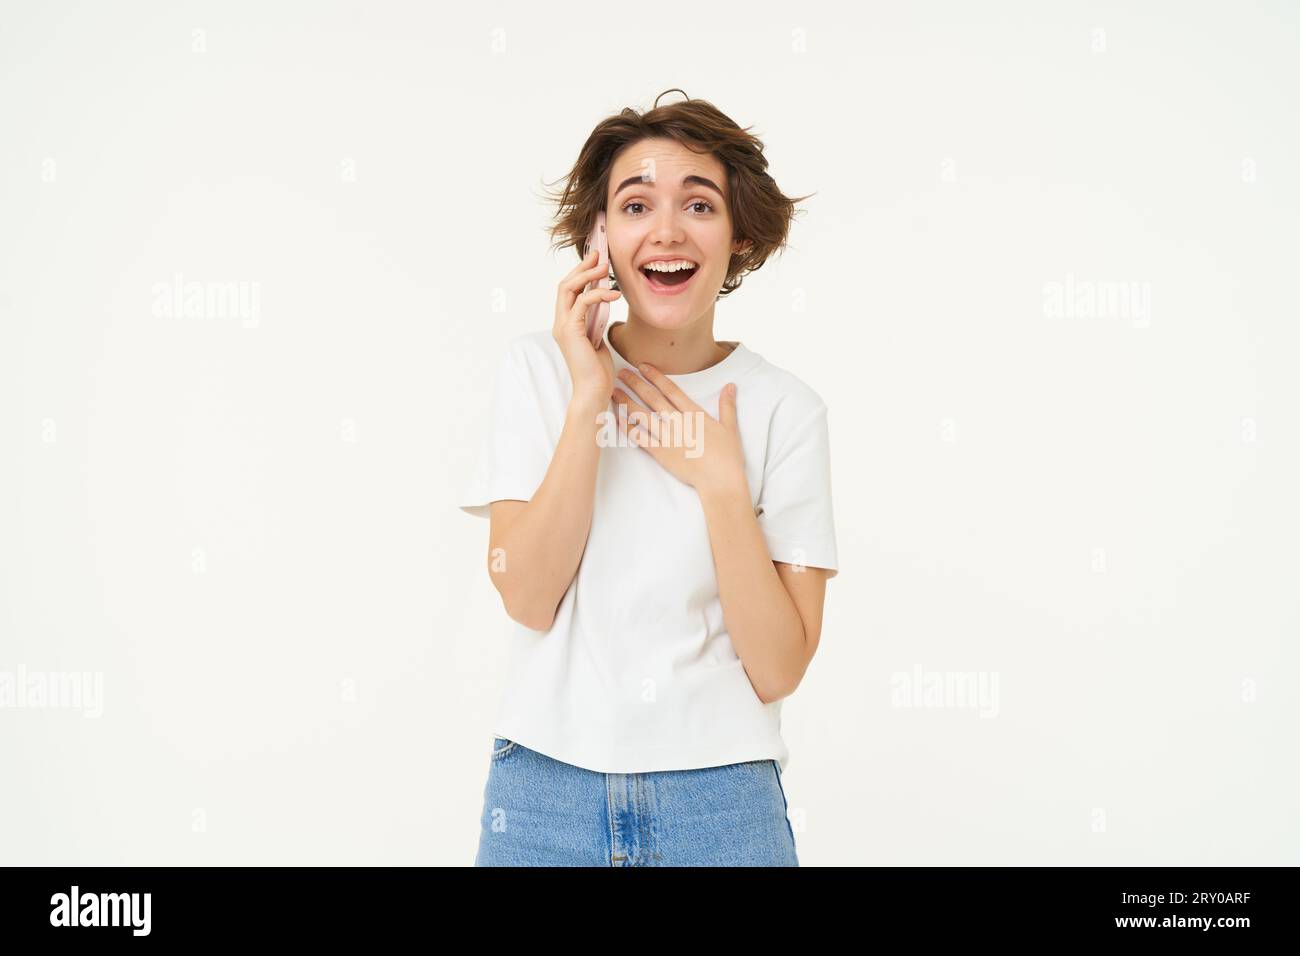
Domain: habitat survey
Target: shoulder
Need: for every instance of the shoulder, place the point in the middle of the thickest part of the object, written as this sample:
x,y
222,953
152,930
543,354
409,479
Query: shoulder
x,y
533,348
789,400
537,359
533,383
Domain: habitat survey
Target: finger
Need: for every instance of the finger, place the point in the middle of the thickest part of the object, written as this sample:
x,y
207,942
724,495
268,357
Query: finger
x,y
583,274
578,310
637,436
670,389
595,295
622,398
588,259
585,264
727,406
649,394
587,271
627,407
586,277
633,418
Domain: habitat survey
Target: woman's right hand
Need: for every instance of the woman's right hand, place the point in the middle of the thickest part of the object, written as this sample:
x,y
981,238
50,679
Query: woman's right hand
x,y
591,368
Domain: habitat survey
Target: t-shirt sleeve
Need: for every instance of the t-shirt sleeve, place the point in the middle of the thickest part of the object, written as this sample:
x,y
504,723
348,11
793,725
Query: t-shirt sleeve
x,y
515,452
794,505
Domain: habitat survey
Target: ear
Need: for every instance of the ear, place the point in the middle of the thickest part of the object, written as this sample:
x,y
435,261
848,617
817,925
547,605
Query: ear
x,y
741,247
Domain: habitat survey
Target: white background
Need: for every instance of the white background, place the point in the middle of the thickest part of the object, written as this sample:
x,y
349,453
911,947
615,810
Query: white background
x,y
250,531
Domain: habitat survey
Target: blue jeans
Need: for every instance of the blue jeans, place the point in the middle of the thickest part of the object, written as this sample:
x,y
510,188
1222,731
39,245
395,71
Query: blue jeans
x,y
538,811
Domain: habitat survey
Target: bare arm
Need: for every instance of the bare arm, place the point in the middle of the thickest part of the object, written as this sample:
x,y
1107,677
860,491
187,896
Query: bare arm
x,y
773,610
534,546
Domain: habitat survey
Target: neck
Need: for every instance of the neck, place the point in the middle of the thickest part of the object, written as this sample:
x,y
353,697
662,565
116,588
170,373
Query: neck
x,y
673,351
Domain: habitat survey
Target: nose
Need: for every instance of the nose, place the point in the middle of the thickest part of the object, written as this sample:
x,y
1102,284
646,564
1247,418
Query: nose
x,y
666,228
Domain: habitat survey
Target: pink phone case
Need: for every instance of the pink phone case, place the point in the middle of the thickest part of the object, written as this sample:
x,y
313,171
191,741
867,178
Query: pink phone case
x,y
598,312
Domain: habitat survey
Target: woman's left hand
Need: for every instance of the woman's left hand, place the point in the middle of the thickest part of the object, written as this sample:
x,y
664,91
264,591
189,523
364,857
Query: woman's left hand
x,y
703,451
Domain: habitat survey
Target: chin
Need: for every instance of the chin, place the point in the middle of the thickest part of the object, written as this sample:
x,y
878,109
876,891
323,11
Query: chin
x,y
670,312
667,315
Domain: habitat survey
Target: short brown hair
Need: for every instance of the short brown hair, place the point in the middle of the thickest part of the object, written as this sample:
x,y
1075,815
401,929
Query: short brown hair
x,y
760,212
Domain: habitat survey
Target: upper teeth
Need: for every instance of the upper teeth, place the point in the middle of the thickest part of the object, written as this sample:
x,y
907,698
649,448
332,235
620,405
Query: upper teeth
x,y
671,265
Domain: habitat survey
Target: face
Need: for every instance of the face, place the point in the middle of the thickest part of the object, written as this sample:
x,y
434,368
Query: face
x,y
667,202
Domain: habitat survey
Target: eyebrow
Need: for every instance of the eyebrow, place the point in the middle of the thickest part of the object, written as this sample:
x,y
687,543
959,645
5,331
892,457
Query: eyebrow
x,y
686,181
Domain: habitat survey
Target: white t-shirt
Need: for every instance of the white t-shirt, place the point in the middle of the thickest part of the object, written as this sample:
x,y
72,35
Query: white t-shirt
x,y
637,672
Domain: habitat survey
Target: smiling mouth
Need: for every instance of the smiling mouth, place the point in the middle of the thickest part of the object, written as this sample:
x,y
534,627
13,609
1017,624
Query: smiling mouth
x,y
668,283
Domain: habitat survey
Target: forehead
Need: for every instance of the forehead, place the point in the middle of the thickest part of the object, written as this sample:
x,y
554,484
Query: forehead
x,y
666,160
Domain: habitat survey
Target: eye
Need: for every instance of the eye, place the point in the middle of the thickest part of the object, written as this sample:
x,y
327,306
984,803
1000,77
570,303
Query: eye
x,y
708,206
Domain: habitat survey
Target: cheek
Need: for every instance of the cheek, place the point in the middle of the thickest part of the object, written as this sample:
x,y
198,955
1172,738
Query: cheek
x,y
622,266
719,266
719,249
619,258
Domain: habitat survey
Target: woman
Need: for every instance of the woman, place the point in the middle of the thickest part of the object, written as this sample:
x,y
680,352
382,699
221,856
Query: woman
x,y
666,572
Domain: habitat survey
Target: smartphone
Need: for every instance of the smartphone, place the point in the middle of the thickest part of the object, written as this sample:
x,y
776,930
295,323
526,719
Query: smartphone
x,y
598,312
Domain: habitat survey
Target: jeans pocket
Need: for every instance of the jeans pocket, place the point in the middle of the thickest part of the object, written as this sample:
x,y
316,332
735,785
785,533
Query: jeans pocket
x,y
501,746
